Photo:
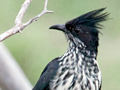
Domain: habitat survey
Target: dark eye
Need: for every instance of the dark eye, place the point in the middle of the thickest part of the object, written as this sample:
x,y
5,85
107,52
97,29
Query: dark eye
x,y
76,30
70,28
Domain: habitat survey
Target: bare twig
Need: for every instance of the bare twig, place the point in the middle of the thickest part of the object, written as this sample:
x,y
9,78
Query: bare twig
x,y
19,26
22,11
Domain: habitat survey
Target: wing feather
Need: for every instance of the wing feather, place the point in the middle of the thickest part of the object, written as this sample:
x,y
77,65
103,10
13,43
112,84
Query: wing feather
x,y
47,75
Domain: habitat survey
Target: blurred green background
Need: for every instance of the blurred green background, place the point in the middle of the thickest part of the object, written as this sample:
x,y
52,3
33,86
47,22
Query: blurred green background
x,y
38,45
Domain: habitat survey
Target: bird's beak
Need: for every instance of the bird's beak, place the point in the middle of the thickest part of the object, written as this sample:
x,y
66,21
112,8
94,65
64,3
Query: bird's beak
x,y
60,27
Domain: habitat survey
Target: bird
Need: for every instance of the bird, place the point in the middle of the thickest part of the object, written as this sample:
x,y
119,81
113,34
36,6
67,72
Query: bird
x,y
77,68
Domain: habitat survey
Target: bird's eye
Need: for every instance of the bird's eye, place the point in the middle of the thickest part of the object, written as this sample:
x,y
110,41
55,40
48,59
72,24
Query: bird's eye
x,y
70,28
77,30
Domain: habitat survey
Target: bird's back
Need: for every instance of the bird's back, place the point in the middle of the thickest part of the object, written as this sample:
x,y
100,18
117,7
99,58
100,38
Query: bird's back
x,y
47,75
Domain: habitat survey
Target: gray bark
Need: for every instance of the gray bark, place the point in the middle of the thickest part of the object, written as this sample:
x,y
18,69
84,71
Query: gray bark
x,y
11,75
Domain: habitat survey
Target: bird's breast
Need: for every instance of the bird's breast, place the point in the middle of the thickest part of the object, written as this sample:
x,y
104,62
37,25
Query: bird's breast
x,y
74,73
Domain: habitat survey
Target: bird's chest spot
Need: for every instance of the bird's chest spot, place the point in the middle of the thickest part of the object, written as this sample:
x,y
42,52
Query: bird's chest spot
x,y
76,74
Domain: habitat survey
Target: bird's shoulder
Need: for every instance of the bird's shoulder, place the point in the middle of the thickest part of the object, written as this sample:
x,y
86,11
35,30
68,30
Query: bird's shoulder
x,y
47,75
53,65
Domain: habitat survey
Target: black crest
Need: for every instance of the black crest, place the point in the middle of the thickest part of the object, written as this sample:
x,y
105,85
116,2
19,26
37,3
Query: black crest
x,y
86,27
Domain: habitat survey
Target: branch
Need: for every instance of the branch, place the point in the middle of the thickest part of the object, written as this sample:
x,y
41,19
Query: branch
x,y
11,75
19,26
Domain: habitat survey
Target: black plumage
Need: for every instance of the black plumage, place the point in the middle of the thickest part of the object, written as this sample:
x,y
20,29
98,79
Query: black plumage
x,y
47,74
77,69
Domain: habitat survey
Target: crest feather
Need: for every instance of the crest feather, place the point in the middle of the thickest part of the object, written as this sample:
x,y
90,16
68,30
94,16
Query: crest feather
x,y
90,20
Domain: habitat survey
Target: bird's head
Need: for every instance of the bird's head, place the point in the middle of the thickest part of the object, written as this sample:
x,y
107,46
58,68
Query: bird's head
x,y
84,29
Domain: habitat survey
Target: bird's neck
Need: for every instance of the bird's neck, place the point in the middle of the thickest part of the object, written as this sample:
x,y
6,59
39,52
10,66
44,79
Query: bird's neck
x,y
81,49
77,54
